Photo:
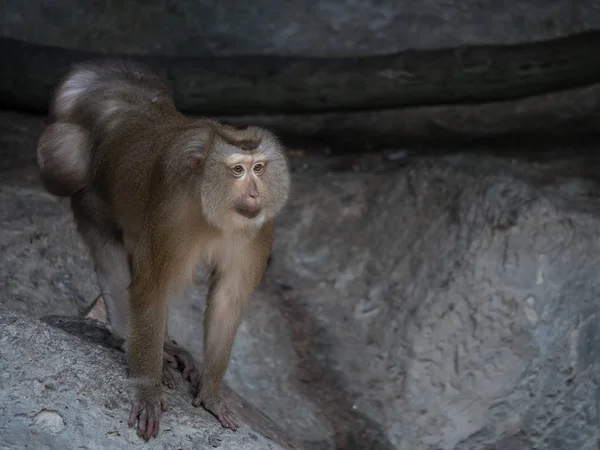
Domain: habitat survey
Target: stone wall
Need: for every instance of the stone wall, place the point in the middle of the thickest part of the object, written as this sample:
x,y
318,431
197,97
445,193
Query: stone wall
x,y
315,27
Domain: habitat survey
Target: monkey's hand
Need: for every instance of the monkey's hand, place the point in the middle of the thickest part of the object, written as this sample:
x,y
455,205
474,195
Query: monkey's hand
x,y
213,404
146,409
177,357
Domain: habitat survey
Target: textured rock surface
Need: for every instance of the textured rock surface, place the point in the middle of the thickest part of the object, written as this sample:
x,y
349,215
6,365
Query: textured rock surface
x,y
317,27
449,303
57,391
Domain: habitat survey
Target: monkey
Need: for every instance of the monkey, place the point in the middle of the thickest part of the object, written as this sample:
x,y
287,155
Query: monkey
x,y
153,194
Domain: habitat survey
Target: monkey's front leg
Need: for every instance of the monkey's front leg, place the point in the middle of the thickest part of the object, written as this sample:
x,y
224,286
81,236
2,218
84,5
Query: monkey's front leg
x,y
148,321
224,311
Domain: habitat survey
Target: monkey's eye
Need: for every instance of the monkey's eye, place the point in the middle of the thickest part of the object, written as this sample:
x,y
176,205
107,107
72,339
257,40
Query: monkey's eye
x,y
258,168
238,170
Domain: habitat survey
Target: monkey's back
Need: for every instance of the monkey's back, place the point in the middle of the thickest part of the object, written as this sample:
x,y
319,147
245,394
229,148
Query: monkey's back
x,y
128,166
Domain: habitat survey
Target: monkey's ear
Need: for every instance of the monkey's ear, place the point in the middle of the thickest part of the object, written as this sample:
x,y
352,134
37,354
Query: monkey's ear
x,y
196,160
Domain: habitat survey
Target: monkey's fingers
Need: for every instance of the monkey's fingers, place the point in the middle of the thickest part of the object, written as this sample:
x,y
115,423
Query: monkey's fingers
x,y
192,375
169,359
219,410
152,426
227,419
142,424
148,417
182,360
168,377
135,409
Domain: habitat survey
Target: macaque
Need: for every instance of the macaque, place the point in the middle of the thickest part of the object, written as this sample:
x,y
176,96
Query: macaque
x,y
153,194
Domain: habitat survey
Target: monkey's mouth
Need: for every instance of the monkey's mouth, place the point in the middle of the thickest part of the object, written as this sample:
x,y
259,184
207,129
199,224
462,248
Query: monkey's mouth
x,y
248,212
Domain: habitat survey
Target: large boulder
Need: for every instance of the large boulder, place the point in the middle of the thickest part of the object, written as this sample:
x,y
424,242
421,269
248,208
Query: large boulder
x,y
449,305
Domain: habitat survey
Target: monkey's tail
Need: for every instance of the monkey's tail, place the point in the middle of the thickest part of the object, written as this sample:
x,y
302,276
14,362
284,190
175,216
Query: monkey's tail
x,y
89,102
64,158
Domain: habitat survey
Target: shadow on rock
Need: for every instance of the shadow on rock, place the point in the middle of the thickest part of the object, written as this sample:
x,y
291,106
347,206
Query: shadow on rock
x,y
322,384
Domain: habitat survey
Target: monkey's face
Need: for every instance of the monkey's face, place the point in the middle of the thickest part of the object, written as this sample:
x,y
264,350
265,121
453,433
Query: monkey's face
x,y
242,189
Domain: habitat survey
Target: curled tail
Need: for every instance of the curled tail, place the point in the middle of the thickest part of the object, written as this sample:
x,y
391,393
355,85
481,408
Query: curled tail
x,y
64,157
92,99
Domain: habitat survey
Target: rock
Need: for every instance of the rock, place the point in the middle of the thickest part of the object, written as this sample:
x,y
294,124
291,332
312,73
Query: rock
x,y
57,391
448,305
446,302
317,27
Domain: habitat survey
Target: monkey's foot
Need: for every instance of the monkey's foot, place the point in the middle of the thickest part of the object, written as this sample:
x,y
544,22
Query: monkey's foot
x,y
177,357
219,410
169,363
148,415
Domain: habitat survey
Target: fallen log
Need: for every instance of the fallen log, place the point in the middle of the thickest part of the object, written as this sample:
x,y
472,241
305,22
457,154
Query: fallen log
x,y
542,121
237,85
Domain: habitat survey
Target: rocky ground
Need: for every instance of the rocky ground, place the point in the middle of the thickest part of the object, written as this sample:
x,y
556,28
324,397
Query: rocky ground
x,y
414,302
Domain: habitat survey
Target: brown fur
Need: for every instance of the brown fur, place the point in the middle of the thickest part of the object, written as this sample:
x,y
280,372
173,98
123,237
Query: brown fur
x,y
154,193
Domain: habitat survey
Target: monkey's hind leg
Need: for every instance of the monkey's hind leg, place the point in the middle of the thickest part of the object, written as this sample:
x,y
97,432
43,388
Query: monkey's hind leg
x,y
113,275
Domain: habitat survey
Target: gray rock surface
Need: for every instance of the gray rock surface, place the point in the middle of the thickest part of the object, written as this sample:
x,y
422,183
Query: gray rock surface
x,y
61,392
413,303
315,27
